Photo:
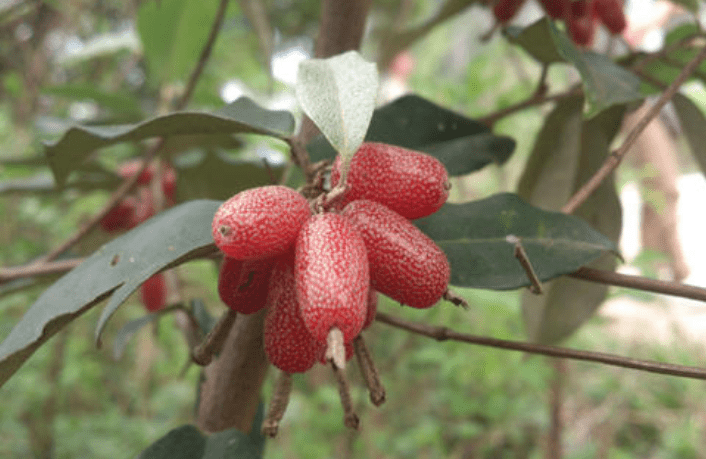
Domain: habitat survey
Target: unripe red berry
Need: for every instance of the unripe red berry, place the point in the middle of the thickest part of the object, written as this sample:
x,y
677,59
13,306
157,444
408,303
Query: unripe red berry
x,y
153,293
242,285
121,216
130,168
505,10
610,12
260,222
405,264
409,182
288,344
331,270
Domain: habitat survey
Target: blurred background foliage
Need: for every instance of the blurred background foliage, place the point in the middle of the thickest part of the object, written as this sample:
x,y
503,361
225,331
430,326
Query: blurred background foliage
x,y
80,61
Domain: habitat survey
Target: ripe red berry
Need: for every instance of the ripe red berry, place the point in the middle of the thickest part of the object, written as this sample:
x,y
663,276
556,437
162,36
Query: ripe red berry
x,y
405,264
505,10
580,21
169,179
130,168
153,293
242,285
610,12
144,208
288,344
331,270
121,216
411,183
260,222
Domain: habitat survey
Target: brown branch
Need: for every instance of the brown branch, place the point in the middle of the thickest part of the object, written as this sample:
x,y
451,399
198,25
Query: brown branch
x,y
213,343
205,54
616,157
524,260
533,100
444,333
40,269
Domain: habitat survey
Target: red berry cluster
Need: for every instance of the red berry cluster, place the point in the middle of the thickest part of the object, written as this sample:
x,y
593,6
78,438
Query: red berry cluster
x,y
135,209
318,272
581,16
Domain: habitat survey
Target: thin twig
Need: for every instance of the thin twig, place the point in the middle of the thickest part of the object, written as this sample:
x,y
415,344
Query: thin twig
x,y
531,101
213,343
278,405
617,156
443,334
524,260
43,269
371,376
205,54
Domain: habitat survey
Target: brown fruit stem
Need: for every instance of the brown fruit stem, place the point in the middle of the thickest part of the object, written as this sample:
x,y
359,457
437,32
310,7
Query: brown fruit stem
x,y
454,298
369,371
350,419
213,343
336,348
278,404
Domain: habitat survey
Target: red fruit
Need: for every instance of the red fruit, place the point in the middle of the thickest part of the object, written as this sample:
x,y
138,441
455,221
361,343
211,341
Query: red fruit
x,y
130,168
372,308
153,293
405,264
610,12
288,344
331,271
554,8
411,183
581,22
505,10
242,285
169,179
259,222
120,217
145,206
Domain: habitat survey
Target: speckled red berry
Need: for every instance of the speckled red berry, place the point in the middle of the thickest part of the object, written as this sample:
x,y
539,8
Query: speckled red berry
x,y
153,293
405,264
242,285
130,168
288,344
409,182
121,216
610,13
260,222
332,276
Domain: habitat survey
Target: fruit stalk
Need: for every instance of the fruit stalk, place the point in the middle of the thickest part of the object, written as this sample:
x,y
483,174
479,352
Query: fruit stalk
x,y
369,371
278,404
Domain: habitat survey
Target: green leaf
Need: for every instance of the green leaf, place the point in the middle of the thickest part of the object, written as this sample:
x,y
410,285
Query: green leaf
x,y
242,116
129,330
537,39
461,144
474,237
173,33
185,442
693,123
215,175
338,94
205,320
231,443
44,183
115,101
171,238
567,303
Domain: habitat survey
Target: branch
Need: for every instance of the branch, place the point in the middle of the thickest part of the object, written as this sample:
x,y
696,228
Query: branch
x,y
42,269
444,333
535,99
205,54
617,156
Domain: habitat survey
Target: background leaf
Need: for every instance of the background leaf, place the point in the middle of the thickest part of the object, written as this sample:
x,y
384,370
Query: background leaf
x,y
553,173
242,116
474,237
338,94
537,39
116,101
693,123
463,145
185,442
173,237
127,331
173,33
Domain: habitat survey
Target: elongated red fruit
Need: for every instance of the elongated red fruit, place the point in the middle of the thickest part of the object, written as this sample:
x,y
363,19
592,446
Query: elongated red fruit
x,y
121,216
555,8
409,182
505,10
331,271
288,344
581,22
242,285
405,264
130,168
153,293
260,222
610,13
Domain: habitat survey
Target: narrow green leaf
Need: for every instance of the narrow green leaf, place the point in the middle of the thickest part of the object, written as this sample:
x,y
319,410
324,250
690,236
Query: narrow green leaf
x,y
242,116
474,237
231,443
185,442
118,102
537,40
171,238
205,320
129,330
461,144
338,94
693,123
173,33
568,303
